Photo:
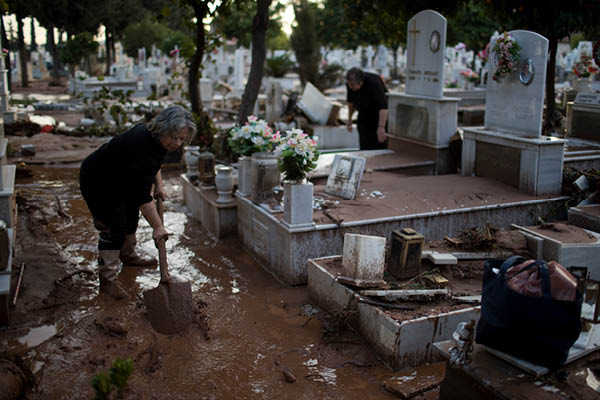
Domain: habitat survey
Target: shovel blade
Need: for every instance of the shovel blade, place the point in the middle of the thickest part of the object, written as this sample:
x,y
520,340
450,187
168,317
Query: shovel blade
x,y
170,307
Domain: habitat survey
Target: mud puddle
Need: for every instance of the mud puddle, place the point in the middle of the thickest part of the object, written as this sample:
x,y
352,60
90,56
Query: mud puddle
x,y
257,327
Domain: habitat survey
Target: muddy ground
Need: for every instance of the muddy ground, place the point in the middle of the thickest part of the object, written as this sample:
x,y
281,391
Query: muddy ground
x,y
248,327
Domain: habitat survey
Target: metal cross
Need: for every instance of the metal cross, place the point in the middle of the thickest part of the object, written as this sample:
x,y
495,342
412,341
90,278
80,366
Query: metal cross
x,y
414,31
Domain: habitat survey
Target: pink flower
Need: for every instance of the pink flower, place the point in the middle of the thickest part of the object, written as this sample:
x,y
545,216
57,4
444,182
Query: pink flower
x,y
173,52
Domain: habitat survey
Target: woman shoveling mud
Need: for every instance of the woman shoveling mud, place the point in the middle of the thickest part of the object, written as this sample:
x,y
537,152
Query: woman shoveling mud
x,y
116,182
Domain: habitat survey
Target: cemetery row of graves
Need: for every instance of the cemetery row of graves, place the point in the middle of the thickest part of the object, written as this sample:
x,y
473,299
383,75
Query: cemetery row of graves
x,y
392,240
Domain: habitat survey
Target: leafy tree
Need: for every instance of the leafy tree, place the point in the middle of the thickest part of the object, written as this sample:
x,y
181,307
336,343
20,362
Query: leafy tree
x,y
180,39
260,23
471,26
21,10
552,19
305,42
238,22
79,47
71,16
144,33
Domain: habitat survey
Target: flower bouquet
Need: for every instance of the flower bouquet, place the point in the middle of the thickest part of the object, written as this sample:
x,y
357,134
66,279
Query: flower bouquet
x,y
507,51
253,137
470,76
585,67
297,154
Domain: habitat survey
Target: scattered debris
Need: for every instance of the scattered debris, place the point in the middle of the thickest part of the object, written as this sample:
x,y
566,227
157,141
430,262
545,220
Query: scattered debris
x,y
414,295
361,299
377,194
422,379
287,373
111,326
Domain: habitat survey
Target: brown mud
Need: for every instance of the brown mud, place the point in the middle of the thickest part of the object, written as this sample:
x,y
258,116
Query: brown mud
x,y
251,332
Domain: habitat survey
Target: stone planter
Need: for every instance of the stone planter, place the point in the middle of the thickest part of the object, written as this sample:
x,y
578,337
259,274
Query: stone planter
x,y
244,175
224,183
264,177
297,203
191,161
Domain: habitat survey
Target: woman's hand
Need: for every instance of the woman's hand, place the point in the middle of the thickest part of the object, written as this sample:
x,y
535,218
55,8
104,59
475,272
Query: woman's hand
x,y
160,193
159,233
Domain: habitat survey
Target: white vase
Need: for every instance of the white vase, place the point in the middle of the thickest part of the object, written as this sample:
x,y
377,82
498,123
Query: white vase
x,y
191,161
224,183
581,85
298,203
244,182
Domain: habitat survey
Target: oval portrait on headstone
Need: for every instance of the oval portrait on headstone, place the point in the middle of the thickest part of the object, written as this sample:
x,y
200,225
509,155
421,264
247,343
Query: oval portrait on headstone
x,y
526,71
434,41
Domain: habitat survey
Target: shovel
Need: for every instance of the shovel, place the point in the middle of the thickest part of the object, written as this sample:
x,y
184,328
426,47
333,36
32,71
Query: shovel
x,y
170,305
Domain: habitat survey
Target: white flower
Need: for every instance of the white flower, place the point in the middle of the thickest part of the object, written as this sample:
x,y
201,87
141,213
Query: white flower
x,y
246,131
258,140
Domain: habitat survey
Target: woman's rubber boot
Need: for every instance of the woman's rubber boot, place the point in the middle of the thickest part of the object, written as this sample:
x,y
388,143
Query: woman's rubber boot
x,y
130,257
108,268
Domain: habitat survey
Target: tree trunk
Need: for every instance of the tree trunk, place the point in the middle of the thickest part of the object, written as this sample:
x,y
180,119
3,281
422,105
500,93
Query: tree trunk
x,y
22,52
200,11
107,55
259,52
33,46
55,78
7,57
550,93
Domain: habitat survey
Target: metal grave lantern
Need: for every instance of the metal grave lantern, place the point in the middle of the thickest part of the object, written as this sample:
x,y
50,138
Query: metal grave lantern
x,y
206,168
407,248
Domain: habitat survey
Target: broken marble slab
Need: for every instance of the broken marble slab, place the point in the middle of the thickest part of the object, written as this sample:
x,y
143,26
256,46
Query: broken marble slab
x,y
344,178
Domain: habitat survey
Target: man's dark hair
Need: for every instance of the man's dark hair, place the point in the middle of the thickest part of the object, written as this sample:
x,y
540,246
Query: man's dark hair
x,y
355,75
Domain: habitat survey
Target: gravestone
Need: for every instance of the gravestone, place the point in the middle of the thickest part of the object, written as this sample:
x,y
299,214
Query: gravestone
x,y
583,117
238,73
510,147
426,42
317,107
422,119
274,105
515,107
344,178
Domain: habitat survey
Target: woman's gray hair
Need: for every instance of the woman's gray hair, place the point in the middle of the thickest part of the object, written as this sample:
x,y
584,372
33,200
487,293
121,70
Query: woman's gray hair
x,y
170,121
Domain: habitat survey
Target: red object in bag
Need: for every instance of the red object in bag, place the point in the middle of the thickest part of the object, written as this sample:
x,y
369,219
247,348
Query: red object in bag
x,y
563,286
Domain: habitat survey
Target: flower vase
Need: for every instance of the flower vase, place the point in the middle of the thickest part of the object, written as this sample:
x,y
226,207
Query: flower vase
x,y
298,203
264,177
224,183
581,85
244,177
191,161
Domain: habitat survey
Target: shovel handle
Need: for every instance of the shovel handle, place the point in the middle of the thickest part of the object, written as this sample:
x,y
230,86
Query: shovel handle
x,y
162,261
162,247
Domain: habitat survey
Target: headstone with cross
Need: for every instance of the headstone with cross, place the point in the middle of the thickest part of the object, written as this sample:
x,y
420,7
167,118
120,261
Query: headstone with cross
x,y
426,41
422,118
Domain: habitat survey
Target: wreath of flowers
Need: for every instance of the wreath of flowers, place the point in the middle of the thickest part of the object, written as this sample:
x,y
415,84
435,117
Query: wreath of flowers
x,y
252,137
508,55
585,67
469,75
297,154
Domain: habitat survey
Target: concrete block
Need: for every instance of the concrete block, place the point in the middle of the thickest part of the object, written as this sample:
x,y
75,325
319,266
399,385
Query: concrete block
x,y
571,254
336,137
439,258
364,257
587,217
219,219
317,107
